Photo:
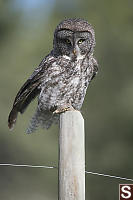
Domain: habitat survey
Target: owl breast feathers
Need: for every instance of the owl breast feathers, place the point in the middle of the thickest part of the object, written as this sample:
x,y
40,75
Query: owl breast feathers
x,y
62,78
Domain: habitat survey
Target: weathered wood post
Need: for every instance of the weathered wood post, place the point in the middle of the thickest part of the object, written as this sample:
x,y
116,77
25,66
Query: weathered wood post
x,y
71,156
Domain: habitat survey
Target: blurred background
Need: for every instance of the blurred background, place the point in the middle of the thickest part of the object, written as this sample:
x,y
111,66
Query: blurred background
x,y
26,34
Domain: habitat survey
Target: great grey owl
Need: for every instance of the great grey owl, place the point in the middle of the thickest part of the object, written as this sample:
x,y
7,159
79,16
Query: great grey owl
x,y
62,78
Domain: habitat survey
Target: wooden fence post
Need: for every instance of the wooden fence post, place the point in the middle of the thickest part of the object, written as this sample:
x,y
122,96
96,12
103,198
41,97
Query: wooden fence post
x,y
71,156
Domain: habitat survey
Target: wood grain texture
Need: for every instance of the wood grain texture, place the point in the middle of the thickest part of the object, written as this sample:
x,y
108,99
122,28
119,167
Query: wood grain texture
x,y
71,156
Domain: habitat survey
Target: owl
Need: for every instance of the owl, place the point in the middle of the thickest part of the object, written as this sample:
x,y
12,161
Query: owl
x,y
62,78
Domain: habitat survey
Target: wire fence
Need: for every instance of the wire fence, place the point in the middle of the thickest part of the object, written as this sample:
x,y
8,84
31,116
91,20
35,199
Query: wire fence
x,y
54,167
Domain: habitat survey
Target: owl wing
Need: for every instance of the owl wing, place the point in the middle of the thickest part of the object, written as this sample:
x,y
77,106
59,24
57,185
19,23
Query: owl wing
x,y
95,68
27,92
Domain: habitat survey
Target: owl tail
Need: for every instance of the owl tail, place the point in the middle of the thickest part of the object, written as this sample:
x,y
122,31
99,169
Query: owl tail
x,y
44,119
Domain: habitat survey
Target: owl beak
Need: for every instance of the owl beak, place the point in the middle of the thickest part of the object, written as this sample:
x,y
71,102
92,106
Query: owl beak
x,y
74,52
73,55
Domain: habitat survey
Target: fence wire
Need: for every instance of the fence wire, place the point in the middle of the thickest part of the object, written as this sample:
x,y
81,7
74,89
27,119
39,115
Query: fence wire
x,y
54,167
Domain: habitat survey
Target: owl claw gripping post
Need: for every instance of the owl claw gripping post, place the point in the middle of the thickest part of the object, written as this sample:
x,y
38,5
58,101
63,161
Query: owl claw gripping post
x,y
62,78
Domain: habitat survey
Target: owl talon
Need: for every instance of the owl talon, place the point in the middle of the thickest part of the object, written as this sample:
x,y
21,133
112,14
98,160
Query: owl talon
x,y
62,109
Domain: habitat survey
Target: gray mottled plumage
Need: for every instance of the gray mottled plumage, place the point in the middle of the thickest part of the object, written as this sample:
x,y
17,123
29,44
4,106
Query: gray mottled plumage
x,y
62,77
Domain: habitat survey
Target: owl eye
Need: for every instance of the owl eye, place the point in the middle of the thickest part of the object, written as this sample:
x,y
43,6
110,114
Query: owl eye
x,y
68,41
81,41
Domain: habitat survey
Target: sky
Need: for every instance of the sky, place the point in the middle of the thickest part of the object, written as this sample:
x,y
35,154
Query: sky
x,y
27,5
34,10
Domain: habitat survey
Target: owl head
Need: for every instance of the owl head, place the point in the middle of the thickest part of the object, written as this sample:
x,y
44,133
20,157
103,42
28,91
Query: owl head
x,y
74,38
